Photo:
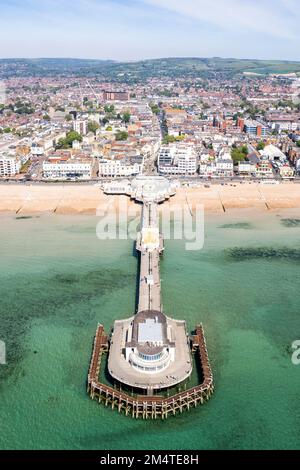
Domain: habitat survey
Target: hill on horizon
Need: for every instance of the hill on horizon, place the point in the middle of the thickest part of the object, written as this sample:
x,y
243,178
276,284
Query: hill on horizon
x,y
142,69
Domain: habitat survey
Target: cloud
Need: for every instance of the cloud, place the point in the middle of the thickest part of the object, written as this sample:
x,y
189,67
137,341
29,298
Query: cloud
x,y
136,29
272,17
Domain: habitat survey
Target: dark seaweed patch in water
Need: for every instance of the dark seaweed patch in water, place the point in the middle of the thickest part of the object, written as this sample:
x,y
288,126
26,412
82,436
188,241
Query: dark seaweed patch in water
x,y
242,254
66,278
65,296
239,225
290,223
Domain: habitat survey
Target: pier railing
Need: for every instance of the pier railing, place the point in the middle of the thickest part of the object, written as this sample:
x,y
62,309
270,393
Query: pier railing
x,y
150,407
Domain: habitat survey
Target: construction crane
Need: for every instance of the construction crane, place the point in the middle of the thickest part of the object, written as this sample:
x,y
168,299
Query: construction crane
x,y
81,95
98,98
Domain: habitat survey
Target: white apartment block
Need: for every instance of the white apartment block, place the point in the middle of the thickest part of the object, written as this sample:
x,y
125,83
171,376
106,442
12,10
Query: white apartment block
x,y
208,169
224,164
80,127
246,168
66,170
224,167
10,165
179,159
114,168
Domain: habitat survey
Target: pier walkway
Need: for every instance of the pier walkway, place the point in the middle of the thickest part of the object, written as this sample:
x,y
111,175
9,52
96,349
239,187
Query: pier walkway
x,y
150,245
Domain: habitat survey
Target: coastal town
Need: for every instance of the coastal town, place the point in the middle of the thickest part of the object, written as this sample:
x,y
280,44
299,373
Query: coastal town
x,y
197,130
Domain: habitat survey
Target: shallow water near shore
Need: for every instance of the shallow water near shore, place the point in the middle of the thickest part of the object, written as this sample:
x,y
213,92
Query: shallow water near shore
x,y
57,281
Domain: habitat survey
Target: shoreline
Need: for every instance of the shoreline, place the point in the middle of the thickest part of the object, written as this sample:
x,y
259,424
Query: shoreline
x,y
88,200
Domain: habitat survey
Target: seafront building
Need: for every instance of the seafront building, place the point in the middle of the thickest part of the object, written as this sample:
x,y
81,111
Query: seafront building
x,y
177,159
67,168
10,165
122,167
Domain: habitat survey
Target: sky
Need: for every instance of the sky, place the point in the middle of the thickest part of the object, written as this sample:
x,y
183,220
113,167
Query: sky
x,y
143,29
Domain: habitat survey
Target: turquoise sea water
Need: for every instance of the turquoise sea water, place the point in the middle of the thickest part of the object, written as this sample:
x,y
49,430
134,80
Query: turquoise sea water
x,y
57,280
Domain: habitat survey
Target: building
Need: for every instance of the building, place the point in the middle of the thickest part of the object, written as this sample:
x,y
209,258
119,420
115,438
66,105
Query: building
x,y
80,127
179,159
149,348
175,116
123,167
10,165
246,168
273,153
255,128
264,169
208,169
115,96
67,168
283,121
286,171
224,167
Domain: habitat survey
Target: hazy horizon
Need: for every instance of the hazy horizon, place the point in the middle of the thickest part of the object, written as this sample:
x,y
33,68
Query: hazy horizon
x,y
142,59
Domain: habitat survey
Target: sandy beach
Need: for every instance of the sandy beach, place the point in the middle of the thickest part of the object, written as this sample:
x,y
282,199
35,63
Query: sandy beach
x,y
88,199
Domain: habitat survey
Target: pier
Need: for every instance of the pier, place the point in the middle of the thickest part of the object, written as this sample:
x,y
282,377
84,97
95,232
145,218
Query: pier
x,y
150,354
150,407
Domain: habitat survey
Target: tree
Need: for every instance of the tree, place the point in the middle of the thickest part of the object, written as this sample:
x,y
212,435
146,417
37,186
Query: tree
x,y
260,146
68,117
24,109
298,143
109,108
239,154
126,117
109,129
169,139
105,120
121,135
93,126
154,108
46,117
68,141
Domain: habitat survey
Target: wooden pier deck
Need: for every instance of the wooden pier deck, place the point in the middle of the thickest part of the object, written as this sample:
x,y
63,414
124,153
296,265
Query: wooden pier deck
x,y
150,407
